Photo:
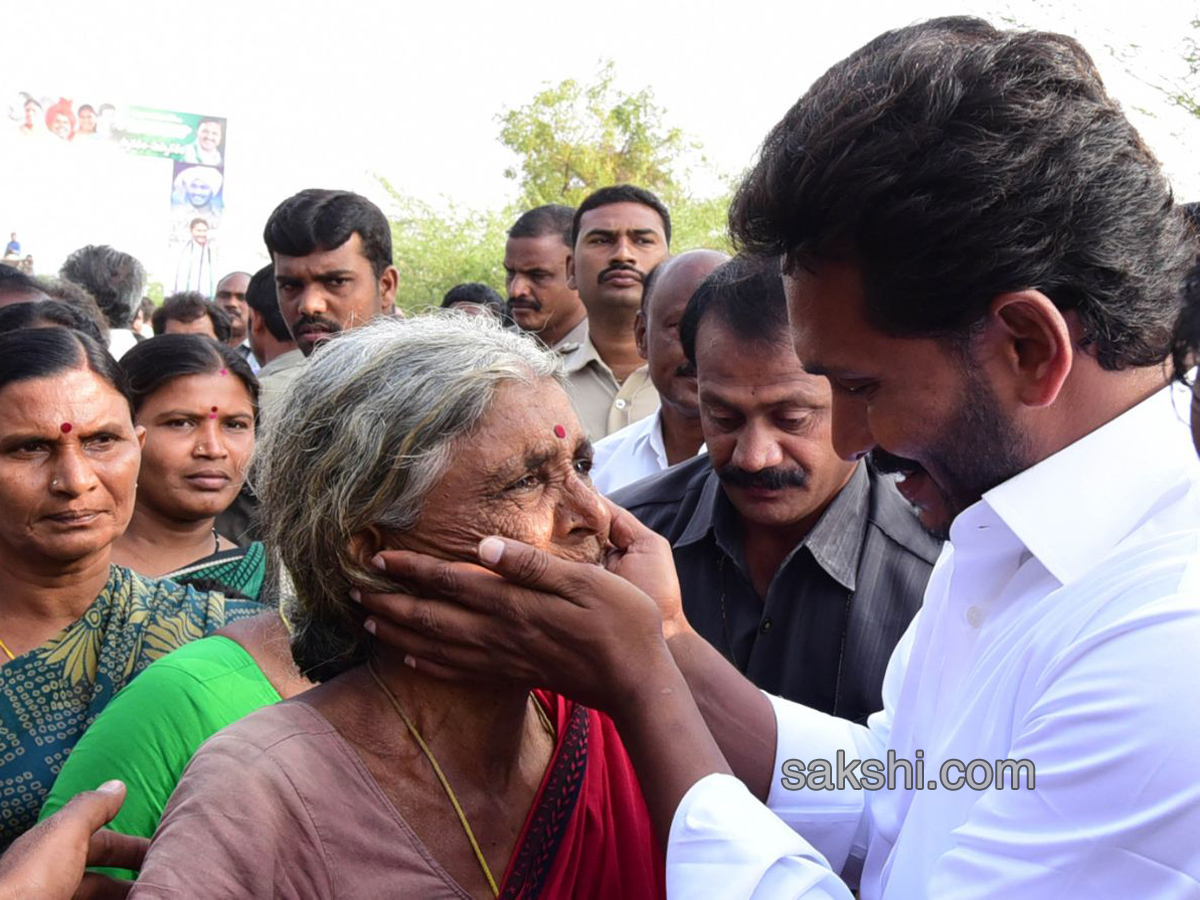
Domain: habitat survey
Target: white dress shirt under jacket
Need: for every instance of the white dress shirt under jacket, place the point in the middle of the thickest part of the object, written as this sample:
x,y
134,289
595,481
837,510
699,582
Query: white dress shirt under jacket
x,y
631,454
1061,625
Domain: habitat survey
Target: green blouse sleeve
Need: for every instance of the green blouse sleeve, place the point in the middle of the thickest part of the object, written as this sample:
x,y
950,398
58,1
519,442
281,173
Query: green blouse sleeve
x,y
151,729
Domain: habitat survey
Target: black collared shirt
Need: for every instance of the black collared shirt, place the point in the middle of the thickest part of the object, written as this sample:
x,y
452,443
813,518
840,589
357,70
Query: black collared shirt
x,y
837,605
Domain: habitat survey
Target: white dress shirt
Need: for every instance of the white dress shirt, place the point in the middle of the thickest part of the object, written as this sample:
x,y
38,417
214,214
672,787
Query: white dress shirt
x,y
1061,625
630,454
120,341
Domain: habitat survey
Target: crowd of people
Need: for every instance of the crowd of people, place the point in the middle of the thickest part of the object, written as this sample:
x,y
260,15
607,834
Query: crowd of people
x,y
627,583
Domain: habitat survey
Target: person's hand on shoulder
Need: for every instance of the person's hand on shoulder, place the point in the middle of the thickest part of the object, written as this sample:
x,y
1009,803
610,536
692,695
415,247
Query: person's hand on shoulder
x,y
48,861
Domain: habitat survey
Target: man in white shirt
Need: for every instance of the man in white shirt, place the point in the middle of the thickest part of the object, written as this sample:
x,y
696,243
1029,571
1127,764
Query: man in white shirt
x,y
231,297
984,258
672,434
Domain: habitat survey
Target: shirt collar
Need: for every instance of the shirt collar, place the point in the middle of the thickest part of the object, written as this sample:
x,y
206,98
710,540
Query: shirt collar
x,y
582,356
835,542
1073,507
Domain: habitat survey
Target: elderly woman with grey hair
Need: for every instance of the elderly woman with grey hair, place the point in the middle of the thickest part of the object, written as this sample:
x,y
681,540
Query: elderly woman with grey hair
x,y
384,780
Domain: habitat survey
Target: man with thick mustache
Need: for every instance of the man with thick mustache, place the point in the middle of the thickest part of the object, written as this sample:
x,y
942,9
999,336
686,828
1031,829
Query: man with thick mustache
x,y
332,252
618,236
803,569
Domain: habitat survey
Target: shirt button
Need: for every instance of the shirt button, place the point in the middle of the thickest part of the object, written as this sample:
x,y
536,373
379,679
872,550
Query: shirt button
x,y
975,616
766,626
620,404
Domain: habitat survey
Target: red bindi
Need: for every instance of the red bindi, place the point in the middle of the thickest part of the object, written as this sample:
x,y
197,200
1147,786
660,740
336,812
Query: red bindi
x,y
65,427
559,431
223,372
213,414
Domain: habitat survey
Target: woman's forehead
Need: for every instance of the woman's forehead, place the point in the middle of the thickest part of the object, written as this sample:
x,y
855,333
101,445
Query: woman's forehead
x,y
78,396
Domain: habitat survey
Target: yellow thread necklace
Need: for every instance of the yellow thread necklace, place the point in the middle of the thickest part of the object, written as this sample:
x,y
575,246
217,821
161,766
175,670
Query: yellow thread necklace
x,y
7,652
437,770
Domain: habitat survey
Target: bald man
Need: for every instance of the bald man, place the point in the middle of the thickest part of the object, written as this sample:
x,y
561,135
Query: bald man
x,y
672,434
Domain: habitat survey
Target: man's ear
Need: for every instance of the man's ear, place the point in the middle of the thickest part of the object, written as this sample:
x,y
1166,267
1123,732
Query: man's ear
x,y
389,281
571,272
1035,345
639,334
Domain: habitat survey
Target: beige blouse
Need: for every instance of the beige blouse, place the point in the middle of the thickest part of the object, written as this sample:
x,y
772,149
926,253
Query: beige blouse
x,y
279,805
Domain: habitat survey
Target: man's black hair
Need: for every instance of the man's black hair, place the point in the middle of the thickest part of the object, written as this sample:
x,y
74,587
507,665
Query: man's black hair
x,y
188,307
950,162
621,193
262,298
553,218
746,296
319,220
473,292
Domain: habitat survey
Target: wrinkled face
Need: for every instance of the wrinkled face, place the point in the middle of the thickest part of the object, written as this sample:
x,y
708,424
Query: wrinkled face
x,y
195,460
330,291
208,136
231,297
87,121
69,458
61,125
766,423
657,331
202,325
535,277
515,477
618,246
200,233
935,417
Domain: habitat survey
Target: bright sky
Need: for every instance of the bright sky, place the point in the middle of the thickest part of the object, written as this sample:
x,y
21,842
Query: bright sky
x,y
322,94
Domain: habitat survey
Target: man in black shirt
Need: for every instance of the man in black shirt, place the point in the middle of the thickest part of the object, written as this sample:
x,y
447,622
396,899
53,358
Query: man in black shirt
x,y
804,569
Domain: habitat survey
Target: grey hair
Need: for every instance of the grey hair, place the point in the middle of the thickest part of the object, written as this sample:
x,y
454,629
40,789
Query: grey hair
x,y
361,438
115,279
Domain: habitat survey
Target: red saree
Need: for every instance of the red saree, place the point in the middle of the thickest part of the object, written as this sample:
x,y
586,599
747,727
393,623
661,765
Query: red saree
x,y
588,834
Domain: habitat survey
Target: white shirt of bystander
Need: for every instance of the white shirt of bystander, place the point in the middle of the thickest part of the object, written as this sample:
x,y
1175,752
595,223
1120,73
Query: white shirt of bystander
x,y
631,454
1061,625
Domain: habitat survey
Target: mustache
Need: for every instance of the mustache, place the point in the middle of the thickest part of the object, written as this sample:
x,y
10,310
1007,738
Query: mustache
x,y
624,269
890,464
316,323
528,304
772,479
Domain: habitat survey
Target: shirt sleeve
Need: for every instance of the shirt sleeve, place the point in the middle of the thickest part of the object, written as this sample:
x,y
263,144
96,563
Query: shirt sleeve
x,y
144,737
235,827
725,843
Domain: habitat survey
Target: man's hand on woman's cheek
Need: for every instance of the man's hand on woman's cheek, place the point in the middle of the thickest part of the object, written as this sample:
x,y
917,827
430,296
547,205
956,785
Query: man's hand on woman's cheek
x,y
525,615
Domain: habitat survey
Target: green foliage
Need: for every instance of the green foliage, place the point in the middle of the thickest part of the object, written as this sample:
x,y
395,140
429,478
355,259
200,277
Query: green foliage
x,y
570,139
154,290
436,250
